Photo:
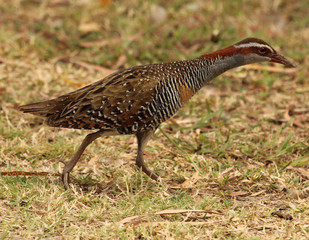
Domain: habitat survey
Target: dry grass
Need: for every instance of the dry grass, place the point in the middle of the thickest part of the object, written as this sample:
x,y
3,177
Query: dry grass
x,y
238,151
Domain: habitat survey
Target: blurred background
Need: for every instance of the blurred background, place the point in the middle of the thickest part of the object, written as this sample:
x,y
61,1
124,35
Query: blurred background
x,y
121,34
241,145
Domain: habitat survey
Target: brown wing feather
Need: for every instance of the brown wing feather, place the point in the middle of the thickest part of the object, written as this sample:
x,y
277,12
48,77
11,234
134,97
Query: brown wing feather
x,y
109,103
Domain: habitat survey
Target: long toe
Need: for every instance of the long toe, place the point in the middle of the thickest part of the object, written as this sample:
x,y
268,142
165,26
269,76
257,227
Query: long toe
x,y
65,177
154,176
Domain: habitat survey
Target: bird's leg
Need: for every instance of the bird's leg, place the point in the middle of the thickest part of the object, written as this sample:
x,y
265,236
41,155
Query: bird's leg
x,y
71,164
142,139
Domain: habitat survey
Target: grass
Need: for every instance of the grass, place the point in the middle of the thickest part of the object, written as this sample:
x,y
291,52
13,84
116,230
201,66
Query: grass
x,y
237,152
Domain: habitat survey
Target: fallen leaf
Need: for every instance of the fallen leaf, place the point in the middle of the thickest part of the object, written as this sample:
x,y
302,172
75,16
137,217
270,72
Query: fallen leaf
x,y
177,211
89,27
138,218
74,83
155,223
240,193
129,219
257,193
187,183
121,61
93,161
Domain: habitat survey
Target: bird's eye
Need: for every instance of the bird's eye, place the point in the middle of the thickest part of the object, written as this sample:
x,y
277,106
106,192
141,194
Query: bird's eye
x,y
263,50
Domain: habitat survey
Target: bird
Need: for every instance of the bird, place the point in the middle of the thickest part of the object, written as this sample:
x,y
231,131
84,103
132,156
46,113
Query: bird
x,y
138,99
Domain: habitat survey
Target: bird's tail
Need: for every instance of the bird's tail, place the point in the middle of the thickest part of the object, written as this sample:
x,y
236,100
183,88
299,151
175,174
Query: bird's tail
x,y
57,105
44,109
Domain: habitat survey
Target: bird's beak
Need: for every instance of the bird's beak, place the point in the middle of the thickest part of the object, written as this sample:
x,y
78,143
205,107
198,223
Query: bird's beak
x,y
277,58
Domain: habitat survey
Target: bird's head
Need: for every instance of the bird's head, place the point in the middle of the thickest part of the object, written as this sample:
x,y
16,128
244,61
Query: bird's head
x,y
257,50
249,50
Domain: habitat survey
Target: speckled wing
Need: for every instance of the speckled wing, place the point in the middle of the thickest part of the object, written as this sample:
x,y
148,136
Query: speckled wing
x,y
119,100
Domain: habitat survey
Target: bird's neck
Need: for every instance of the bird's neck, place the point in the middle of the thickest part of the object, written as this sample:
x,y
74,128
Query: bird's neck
x,y
216,63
